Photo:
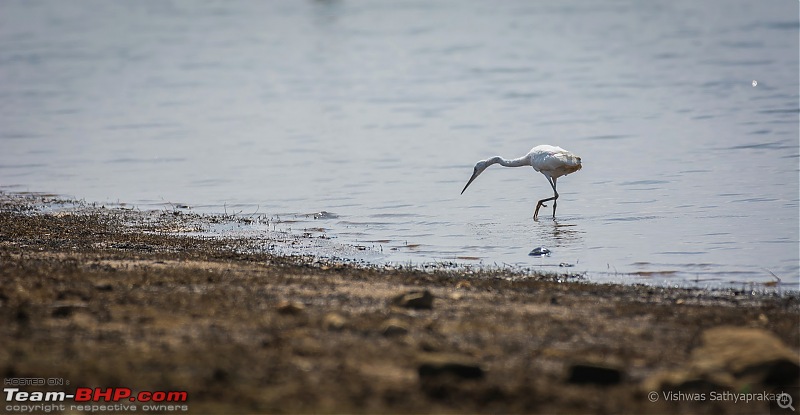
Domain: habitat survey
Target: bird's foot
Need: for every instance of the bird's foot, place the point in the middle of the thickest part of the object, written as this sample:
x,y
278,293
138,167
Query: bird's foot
x,y
536,212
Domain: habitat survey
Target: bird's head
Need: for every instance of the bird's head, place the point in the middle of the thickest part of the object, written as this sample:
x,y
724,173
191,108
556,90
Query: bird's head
x,y
479,168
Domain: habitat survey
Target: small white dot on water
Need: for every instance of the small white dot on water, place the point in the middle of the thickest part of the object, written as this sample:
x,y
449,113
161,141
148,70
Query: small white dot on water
x,y
755,82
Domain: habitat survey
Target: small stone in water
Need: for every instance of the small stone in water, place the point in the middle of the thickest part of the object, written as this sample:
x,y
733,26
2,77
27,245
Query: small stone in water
x,y
540,251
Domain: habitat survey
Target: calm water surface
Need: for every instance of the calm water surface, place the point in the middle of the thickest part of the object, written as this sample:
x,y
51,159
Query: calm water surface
x,y
376,112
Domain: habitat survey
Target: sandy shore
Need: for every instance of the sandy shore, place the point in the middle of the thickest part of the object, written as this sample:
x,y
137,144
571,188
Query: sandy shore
x,y
114,298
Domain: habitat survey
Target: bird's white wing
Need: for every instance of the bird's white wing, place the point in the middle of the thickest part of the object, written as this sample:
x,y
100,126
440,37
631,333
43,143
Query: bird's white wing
x,y
554,161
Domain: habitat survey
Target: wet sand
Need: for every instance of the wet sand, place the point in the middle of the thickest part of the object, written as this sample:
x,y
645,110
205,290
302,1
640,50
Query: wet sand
x,y
114,297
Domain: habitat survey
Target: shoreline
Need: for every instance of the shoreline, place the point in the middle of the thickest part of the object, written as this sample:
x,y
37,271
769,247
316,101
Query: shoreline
x,y
114,297
312,247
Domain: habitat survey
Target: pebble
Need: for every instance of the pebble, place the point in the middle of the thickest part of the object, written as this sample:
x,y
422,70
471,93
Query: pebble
x,y
435,364
540,251
334,322
414,299
290,307
61,310
588,373
394,327
750,354
732,358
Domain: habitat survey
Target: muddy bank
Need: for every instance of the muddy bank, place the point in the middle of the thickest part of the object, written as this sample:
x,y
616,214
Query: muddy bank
x,y
113,297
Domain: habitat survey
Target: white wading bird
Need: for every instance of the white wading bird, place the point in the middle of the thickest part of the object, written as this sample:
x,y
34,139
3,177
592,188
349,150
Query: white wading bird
x,y
551,161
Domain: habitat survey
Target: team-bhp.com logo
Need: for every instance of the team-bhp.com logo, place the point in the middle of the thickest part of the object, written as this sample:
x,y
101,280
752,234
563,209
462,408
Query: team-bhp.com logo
x,y
96,395
89,399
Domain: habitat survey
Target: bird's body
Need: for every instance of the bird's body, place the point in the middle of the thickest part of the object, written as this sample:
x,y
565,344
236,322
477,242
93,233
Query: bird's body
x,y
552,161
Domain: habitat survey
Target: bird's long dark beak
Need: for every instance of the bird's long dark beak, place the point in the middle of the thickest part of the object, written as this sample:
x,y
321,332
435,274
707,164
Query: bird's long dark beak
x,y
474,175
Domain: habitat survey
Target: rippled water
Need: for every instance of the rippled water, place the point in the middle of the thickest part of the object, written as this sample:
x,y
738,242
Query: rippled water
x,y
376,112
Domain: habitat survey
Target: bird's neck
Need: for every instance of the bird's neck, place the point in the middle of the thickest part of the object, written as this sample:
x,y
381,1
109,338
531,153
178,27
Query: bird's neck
x,y
517,162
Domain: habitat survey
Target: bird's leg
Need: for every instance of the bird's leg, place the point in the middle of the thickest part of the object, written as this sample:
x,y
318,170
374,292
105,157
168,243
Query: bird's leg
x,y
555,198
539,205
541,202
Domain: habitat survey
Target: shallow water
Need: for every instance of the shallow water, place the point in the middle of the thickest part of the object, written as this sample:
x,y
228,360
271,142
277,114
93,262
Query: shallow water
x,y
375,112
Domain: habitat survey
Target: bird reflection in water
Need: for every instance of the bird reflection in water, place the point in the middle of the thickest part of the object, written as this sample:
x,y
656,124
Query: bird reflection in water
x,y
556,235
